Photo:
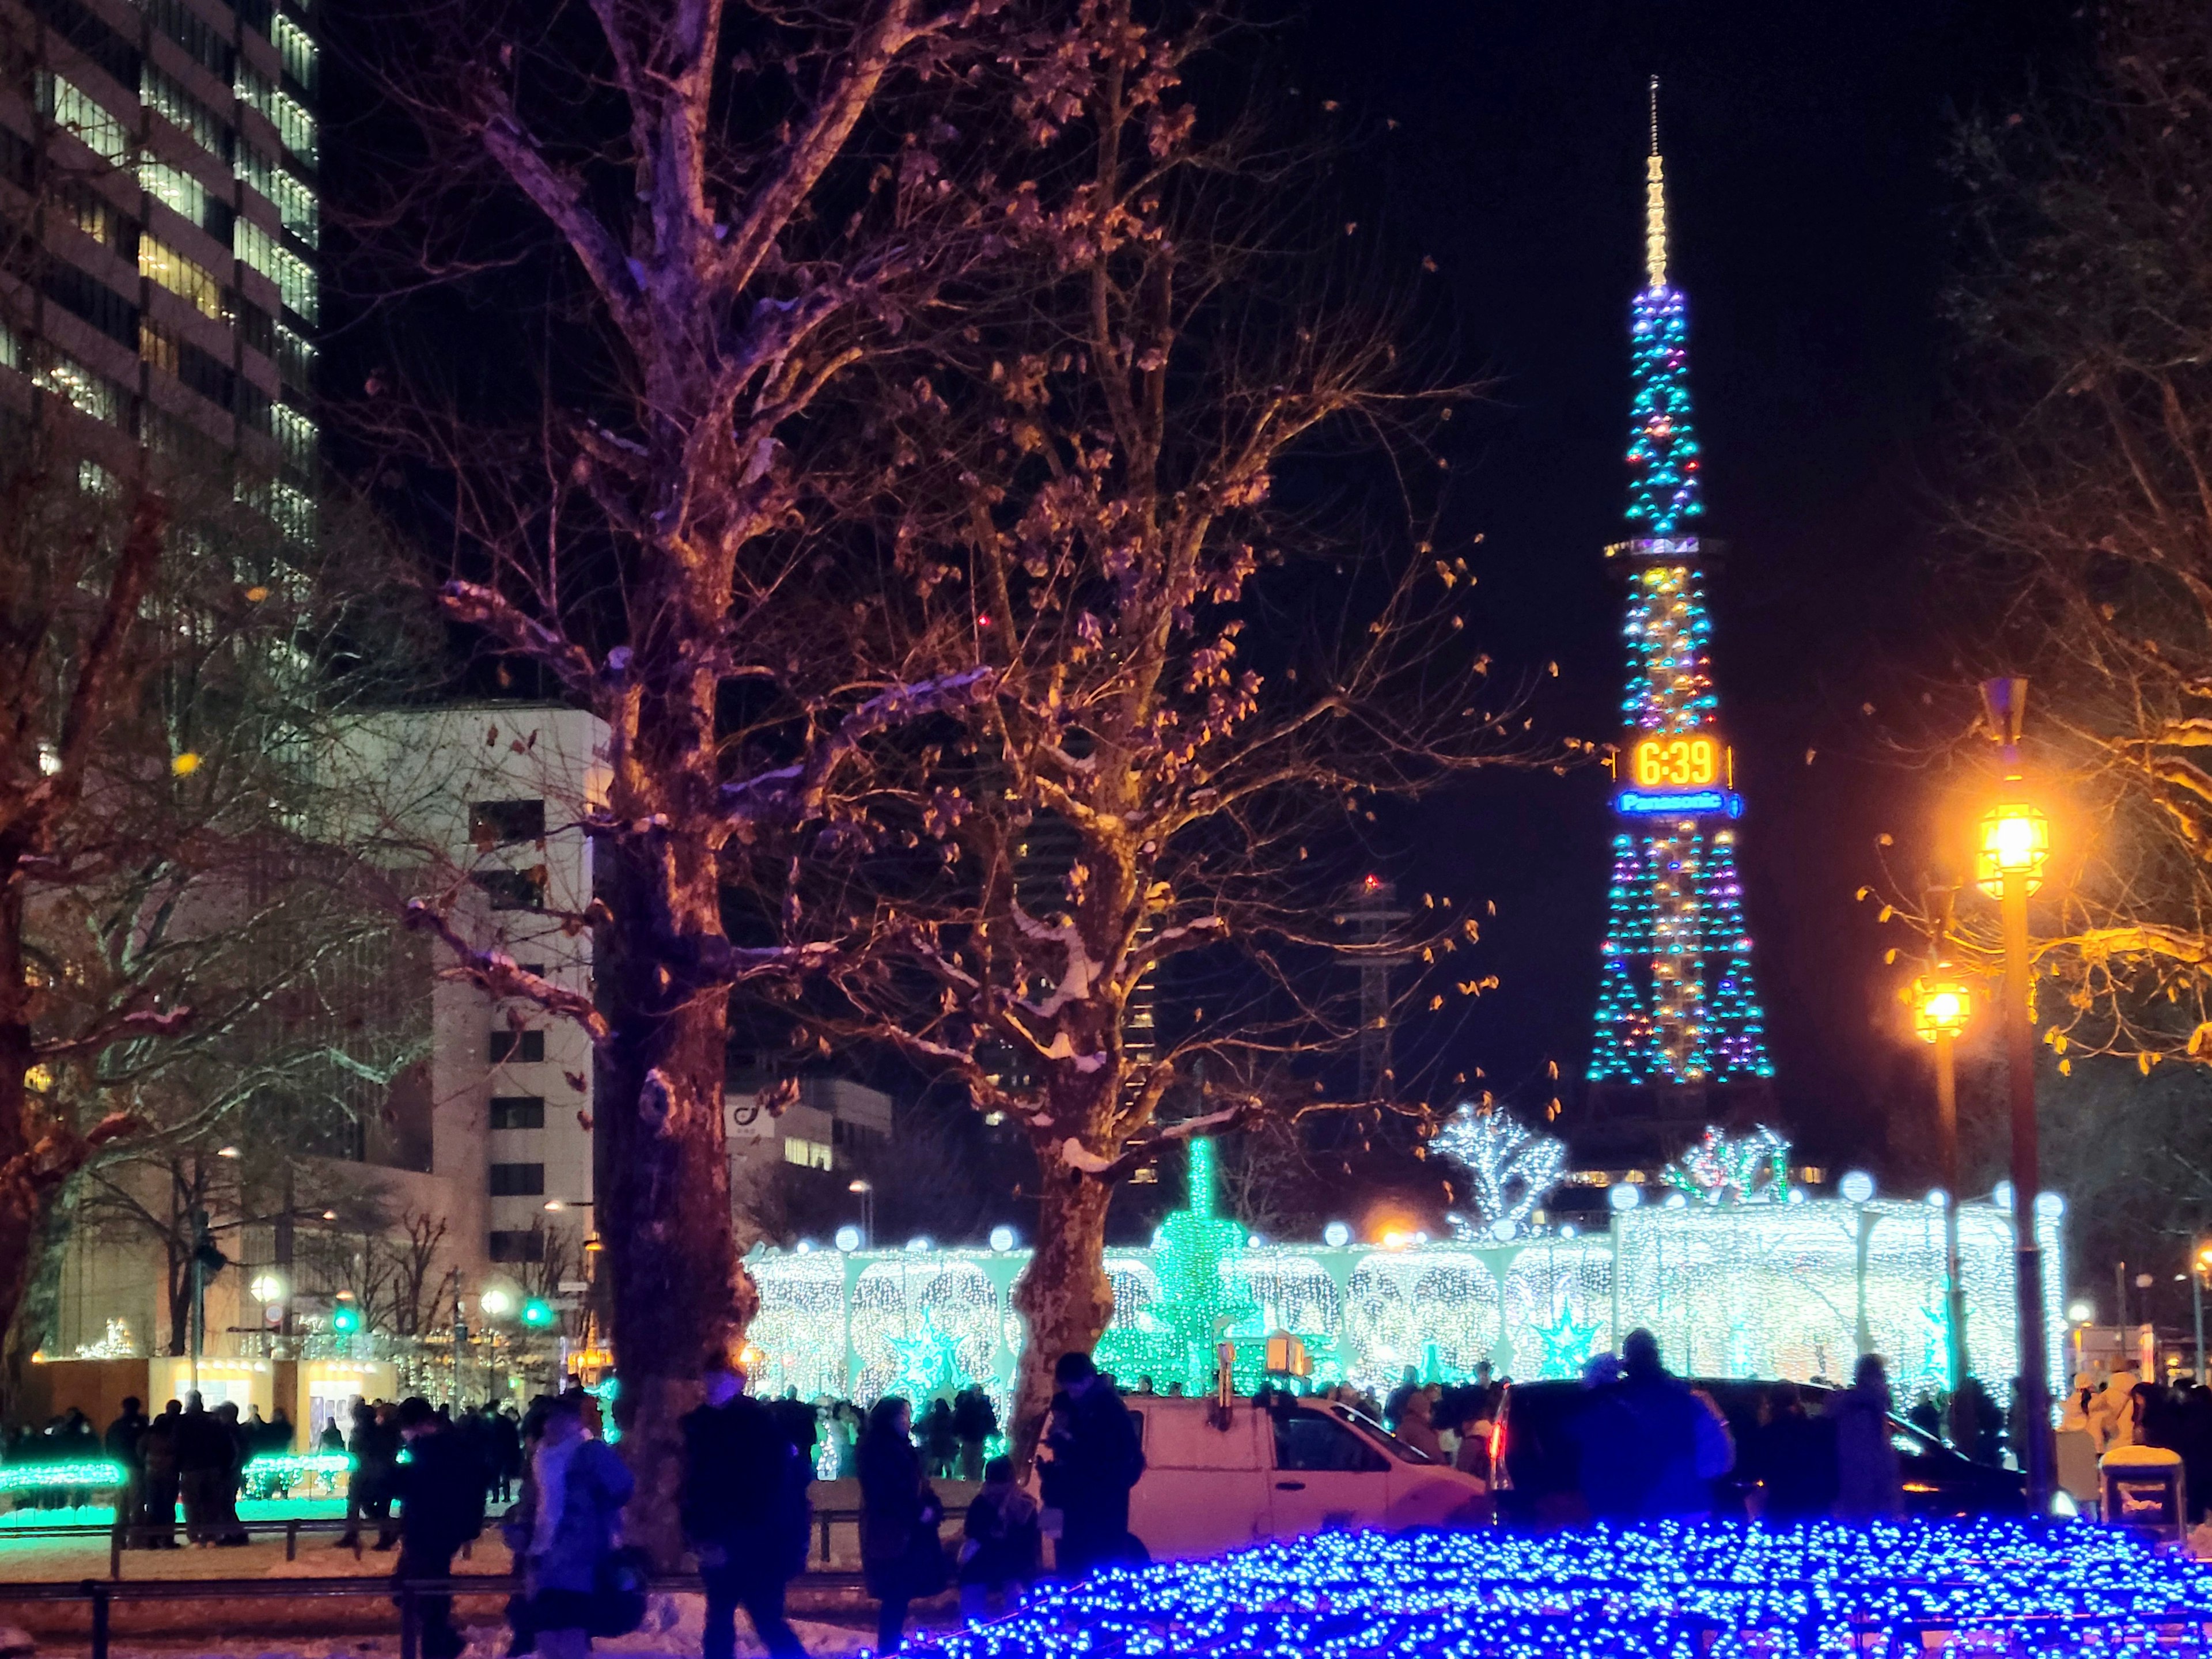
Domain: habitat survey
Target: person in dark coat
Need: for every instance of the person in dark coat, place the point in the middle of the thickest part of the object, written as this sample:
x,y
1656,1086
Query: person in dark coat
x,y
562,1528
974,1420
1793,1457
1004,1544
1650,1448
157,1454
204,1463
1097,1459
743,1511
1867,1480
900,1555
799,1422
440,1491
122,1440
237,1447
941,1445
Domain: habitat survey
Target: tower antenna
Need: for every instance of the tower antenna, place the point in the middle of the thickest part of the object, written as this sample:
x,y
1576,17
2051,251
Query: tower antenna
x,y
1655,202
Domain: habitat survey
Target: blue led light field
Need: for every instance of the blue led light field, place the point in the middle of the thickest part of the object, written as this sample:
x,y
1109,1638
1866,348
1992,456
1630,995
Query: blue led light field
x,y
1661,1591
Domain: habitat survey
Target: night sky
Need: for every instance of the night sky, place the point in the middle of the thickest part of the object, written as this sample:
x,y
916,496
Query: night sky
x,y
1803,146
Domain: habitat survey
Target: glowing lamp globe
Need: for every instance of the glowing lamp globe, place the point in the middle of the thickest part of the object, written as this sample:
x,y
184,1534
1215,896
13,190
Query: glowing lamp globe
x,y
1942,1003
1336,1235
2081,1313
1856,1187
849,1238
496,1304
1625,1198
1002,1238
2015,842
267,1287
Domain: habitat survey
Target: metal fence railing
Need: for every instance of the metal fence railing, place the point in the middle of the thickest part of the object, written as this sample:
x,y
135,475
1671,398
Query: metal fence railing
x,y
124,1539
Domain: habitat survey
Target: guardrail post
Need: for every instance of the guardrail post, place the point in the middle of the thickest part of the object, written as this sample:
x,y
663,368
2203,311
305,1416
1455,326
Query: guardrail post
x,y
115,1548
292,1540
97,1592
411,1625
825,1537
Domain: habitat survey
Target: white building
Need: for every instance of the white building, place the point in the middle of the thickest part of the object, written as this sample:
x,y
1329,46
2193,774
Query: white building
x,y
481,805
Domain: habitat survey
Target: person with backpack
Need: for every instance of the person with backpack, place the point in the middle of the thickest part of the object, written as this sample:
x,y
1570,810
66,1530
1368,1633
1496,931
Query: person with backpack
x,y
900,1558
974,1420
745,1512
439,1486
1096,1460
562,1529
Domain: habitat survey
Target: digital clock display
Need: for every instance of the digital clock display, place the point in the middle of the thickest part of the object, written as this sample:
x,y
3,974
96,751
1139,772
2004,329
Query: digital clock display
x,y
1678,760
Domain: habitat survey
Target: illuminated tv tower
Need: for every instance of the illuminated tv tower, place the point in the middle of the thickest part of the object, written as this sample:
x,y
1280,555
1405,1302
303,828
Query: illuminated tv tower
x,y
1679,1021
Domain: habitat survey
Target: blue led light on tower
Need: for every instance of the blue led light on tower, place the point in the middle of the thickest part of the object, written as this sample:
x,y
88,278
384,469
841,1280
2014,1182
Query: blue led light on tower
x,y
1678,1003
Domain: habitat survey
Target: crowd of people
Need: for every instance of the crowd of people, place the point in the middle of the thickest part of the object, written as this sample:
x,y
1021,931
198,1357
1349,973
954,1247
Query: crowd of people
x,y
2127,1409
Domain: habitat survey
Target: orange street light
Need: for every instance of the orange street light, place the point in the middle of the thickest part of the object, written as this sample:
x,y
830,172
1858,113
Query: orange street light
x,y
2015,844
1942,1004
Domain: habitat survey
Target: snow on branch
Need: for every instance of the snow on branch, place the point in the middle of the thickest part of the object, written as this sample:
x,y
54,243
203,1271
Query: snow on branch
x,y
498,973
483,607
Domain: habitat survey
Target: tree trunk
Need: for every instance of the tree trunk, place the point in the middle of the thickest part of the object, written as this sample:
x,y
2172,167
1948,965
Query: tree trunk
x,y
663,1186
1063,1297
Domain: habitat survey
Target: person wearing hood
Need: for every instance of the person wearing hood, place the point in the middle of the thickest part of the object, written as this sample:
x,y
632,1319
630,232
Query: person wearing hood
x,y
562,1527
1417,1426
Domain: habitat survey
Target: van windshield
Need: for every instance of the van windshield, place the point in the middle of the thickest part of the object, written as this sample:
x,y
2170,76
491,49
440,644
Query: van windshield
x,y
1397,1448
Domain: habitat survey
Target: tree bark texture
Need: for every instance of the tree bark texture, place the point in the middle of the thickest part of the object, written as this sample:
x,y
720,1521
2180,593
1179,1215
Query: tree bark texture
x,y
663,1186
1063,1297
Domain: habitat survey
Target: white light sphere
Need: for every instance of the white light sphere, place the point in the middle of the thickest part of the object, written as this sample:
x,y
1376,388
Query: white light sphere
x,y
849,1238
1568,1230
494,1303
2001,1195
1625,1198
1677,1202
1002,1238
2082,1313
1857,1187
1420,1238
1938,1199
2050,1206
806,1247
920,1242
1501,1230
1336,1235
1797,1195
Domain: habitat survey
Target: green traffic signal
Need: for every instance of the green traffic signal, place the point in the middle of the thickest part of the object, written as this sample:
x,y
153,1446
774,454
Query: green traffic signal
x,y
345,1321
537,1312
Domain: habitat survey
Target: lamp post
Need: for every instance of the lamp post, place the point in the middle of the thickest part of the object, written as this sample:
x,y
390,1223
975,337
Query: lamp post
x,y
866,1190
1942,1003
2013,845
2198,1267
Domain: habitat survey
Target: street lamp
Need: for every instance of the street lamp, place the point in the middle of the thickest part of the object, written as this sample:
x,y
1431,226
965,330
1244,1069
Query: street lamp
x,y
866,1190
1942,1003
2013,845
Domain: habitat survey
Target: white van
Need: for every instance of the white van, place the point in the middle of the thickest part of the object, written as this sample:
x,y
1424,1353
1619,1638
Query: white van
x,y
1278,1470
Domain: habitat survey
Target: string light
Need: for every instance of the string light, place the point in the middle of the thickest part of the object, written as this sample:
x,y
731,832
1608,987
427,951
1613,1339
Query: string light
x,y
1662,1590
1511,1170
1755,1279
1677,1001
91,1472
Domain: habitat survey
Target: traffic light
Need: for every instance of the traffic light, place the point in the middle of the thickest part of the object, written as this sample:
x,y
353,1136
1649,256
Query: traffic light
x,y
345,1319
537,1313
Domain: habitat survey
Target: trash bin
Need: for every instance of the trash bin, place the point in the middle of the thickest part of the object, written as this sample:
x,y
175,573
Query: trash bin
x,y
2143,1491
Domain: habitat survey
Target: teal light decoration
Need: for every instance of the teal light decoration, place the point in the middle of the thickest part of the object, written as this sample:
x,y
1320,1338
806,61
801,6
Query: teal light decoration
x,y
87,1473
1663,493
1568,1343
928,1362
1203,1300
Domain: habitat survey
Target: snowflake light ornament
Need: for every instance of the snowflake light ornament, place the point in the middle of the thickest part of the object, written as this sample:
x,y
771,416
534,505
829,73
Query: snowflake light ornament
x,y
1512,1171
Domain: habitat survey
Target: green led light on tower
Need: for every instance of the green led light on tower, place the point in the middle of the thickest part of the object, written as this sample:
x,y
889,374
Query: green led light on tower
x,y
1678,1003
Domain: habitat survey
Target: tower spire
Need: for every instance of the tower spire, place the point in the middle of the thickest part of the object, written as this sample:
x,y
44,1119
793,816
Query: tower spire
x,y
1655,202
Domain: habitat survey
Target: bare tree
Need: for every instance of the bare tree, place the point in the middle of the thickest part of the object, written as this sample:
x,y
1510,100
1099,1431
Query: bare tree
x,y
749,202
1198,687
2086,308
